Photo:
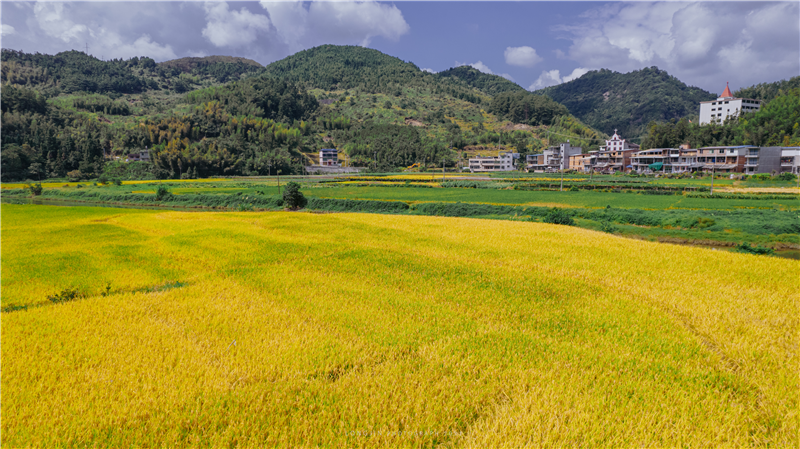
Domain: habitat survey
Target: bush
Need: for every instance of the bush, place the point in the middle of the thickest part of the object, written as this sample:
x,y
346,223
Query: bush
x,y
75,175
116,181
559,217
608,227
293,198
36,189
785,177
68,294
162,193
760,250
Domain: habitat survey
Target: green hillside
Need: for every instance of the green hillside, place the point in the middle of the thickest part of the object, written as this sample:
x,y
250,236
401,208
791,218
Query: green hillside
x,y
61,122
471,77
608,100
768,91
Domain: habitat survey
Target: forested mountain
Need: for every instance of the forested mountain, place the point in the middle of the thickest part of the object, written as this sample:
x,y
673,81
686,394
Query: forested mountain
x,y
74,116
608,100
75,71
221,68
488,84
768,91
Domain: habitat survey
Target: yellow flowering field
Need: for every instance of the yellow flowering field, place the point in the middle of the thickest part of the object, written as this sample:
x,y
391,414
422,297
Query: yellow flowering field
x,y
300,329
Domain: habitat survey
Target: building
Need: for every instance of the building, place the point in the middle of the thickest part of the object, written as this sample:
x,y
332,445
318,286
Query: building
x,y
763,160
503,162
790,160
141,156
615,156
583,162
617,143
552,159
329,157
726,106
730,159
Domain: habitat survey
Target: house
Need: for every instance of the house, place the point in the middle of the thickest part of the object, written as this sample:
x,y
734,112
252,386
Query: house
x,y
552,159
763,160
583,162
329,157
726,106
503,162
790,160
730,159
141,156
615,156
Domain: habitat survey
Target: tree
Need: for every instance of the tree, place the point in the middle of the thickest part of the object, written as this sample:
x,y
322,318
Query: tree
x,y
293,198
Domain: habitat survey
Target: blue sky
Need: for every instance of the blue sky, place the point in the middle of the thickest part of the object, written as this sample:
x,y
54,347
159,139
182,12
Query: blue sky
x,y
535,44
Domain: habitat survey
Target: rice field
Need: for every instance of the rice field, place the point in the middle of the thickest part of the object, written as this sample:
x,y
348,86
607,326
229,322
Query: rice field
x,y
300,329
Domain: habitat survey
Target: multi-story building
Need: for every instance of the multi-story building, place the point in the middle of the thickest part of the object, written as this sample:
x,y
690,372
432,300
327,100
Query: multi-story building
x,y
726,106
615,156
763,160
685,162
648,160
583,162
503,162
552,159
329,157
790,160
730,159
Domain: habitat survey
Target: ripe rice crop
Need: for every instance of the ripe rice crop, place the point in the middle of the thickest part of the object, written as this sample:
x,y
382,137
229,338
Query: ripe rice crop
x,y
300,329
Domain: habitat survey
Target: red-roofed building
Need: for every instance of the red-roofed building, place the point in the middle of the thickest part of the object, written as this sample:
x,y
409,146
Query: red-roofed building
x,y
726,106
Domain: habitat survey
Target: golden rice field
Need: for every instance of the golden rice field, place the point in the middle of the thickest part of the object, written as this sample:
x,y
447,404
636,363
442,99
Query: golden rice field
x,y
358,330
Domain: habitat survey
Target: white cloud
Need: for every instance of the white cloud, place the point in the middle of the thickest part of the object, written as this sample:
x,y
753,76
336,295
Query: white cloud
x,y
52,19
226,28
7,30
428,70
522,56
358,23
703,43
553,77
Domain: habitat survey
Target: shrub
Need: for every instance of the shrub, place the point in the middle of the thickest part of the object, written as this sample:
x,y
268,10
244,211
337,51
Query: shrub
x,y
785,177
116,181
36,189
760,250
293,198
75,175
608,227
162,193
558,216
68,294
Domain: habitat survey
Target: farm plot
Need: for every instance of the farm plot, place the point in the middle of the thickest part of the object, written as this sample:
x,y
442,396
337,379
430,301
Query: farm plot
x,y
253,329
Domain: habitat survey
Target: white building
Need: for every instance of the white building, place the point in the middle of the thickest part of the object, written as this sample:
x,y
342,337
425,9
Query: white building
x,y
725,106
790,160
504,162
618,144
552,159
329,157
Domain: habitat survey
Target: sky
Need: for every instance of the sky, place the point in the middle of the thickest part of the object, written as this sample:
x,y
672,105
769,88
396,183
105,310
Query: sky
x,y
533,43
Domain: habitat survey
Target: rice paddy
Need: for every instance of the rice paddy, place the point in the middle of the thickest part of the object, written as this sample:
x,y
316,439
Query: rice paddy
x,y
299,329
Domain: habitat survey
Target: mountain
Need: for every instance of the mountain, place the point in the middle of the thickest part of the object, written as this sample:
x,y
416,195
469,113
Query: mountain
x,y
75,71
72,115
220,68
768,91
488,84
628,102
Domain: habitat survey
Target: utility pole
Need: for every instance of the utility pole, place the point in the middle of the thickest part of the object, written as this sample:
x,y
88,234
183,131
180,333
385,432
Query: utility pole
x,y
87,48
442,169
713,166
